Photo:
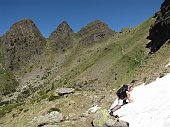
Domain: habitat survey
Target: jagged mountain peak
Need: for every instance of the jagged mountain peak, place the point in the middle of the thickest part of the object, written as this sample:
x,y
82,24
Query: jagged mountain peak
x,y
93,26
61,37
24,22
95,32
64,23
21,43
97,23
63,28
23,27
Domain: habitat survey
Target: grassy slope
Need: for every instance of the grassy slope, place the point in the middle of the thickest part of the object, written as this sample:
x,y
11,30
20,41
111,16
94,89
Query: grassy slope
x,y
112,62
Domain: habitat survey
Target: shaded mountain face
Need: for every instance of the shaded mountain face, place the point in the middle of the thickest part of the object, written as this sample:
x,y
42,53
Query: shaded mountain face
x,y
22,42
159,33
94,32
61,37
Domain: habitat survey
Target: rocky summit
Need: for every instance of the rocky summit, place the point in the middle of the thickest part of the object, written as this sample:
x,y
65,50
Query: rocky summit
x,y
21,43
61,38
160,32
94,32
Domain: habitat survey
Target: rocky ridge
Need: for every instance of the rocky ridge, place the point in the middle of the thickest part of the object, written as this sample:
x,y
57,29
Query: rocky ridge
x,y
159,33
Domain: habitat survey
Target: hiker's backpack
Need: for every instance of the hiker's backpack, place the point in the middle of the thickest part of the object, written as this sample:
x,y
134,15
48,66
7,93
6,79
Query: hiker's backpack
x,y
121,93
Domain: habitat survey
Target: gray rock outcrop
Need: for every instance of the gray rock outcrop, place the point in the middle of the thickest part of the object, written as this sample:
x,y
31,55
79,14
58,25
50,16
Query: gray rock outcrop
x,y
159,33
63,91
49,119
103,119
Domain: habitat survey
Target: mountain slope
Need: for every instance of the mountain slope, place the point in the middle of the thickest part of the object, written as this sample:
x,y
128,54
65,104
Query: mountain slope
x,y
113,62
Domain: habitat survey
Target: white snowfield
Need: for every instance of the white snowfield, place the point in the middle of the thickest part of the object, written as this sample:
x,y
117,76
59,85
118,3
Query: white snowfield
x,y
151,106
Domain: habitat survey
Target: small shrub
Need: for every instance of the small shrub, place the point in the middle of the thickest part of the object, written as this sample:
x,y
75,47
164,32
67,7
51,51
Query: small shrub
x,y
8,108
52,97
54,109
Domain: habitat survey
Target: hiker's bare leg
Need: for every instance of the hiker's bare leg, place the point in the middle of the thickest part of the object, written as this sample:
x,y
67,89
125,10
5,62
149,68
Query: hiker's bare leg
x,y
115,108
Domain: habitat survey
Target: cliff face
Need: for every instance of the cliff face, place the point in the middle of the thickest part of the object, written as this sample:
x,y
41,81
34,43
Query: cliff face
x,y
61,37
159,33
94,32
21,43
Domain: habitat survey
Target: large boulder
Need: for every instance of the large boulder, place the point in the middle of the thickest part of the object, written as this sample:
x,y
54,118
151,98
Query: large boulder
x,y
63,91
51,118
103,119
100,118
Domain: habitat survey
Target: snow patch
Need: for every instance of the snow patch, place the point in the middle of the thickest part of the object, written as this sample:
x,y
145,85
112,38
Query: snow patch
x,y
93,109
168,65
151,106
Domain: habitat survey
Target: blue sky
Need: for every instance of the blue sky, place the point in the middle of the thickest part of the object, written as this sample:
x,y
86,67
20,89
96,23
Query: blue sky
x,y
48,14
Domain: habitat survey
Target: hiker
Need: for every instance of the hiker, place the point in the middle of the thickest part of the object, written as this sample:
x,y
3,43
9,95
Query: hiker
x,y
123,95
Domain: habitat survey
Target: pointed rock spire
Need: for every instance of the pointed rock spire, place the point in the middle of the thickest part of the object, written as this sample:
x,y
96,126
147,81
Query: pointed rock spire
x,y
61,38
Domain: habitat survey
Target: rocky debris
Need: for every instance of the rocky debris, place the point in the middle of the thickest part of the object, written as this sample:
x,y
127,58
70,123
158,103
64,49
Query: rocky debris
x,y
4,100
159,33
121,123
72,116
63,91
96,37
51,118
61,38
103,119
30,88
21,43
86,114
126,30
116,123
110,123
27,91
94,32
73,108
